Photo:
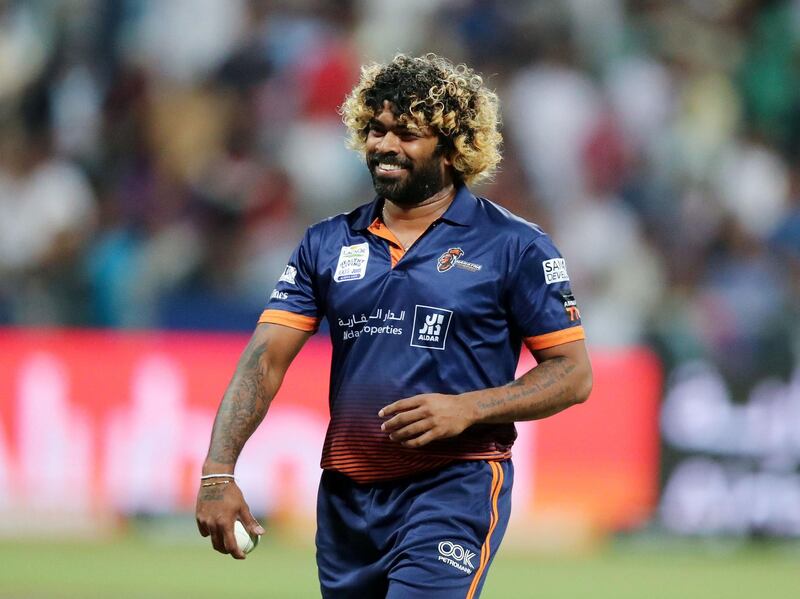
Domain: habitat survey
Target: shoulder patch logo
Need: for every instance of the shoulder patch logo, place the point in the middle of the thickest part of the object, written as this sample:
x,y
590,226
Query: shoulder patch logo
x,y
279,295
289,273
555,270
352,263
570,305
451,258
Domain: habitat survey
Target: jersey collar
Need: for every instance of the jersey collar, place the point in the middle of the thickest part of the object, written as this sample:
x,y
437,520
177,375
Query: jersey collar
x,y
460,211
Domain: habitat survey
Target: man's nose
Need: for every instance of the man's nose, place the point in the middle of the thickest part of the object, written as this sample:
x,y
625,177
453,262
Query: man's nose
x,y
389,143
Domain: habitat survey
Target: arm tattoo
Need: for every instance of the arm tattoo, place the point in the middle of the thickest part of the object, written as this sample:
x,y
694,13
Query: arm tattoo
x,y
243,406
542,392
212,494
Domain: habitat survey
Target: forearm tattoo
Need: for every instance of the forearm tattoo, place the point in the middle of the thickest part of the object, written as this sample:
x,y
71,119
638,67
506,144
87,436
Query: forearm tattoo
x,y
212,494
540,393
243,406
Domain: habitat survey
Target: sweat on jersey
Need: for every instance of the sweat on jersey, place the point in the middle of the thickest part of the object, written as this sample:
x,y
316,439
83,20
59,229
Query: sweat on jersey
x,y
447,316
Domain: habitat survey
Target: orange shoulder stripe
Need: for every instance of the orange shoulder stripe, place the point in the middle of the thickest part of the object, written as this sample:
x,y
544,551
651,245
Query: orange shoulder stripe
x,y
289,319
555,338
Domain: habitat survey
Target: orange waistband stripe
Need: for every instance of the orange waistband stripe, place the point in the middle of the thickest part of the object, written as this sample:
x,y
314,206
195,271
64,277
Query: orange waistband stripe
x,y
555,338
486,549
289,319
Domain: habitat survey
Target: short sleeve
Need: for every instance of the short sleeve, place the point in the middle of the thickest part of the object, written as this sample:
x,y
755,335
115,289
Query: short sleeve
x,y
293,302
543,308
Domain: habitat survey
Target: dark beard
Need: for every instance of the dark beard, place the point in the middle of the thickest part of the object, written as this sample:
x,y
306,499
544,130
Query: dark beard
x,y
421,181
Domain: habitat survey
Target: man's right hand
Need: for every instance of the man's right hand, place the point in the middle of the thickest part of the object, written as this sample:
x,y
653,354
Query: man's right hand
x,y
258,376
218,507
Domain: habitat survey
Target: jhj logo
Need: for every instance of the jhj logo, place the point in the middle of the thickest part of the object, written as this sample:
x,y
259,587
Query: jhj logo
x,y
455,555
430,327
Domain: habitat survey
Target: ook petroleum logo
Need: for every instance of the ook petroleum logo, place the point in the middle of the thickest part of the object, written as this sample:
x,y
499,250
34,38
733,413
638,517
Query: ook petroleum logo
x,y
455,555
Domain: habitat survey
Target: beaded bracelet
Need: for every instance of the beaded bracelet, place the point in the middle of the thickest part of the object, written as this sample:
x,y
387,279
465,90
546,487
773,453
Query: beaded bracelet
x,y
207,476
215,483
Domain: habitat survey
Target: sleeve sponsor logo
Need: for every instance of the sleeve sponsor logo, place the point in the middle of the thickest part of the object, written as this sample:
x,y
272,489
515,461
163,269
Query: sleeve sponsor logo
x,y
289,273
352,263
431,326
278,295
570,305
555,270
451,258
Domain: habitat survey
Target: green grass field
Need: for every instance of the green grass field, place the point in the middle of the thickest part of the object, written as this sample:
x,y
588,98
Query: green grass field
x,y
142,567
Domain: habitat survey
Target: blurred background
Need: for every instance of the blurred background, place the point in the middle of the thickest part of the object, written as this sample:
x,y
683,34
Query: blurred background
x,y
159,160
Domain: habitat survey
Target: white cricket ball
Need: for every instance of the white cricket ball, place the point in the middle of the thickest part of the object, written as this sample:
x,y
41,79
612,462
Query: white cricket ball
x,y
244,539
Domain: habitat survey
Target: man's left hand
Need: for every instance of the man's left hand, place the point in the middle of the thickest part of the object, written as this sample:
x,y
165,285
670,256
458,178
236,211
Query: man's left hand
x,y
418,420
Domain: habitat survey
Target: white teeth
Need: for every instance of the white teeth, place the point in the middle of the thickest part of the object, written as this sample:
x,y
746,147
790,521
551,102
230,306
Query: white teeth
x,y
389,167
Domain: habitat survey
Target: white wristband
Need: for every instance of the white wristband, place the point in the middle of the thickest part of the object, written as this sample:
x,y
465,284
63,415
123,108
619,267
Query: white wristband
x,y
207,476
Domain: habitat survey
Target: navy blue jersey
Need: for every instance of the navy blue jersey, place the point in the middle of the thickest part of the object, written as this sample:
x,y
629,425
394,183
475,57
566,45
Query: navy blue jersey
x,y
447,316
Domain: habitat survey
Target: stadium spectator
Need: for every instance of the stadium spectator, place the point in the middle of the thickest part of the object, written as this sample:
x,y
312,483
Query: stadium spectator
x,y
144,116
47,213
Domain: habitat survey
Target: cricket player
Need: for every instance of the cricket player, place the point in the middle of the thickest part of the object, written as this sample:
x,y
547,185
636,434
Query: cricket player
x,y
430,293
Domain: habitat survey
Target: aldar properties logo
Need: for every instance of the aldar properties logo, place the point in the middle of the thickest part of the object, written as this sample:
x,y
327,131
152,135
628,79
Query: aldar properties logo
x,y
431,326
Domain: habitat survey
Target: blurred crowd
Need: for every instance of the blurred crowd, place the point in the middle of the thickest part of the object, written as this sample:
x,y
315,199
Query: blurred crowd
x,y
159,160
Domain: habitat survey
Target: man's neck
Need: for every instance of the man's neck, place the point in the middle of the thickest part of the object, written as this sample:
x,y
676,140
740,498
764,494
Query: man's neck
x,y
408,223
423,213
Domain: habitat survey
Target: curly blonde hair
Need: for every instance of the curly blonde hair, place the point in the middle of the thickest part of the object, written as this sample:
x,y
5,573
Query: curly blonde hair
x,y
431,91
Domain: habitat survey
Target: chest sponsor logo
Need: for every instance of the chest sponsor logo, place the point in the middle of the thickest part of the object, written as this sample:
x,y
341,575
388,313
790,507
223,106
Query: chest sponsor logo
x,y
457,556
289,273
453,257
352,263
431,326
380,322
555,270
279,295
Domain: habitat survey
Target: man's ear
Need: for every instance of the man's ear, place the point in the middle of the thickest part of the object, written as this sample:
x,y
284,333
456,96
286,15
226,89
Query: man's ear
x,y
446,149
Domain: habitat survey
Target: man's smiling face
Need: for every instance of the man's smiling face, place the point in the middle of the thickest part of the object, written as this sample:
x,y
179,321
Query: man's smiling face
x,y
406,162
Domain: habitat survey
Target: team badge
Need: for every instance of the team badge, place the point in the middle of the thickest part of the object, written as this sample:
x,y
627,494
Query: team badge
x,y
570,305
451,258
